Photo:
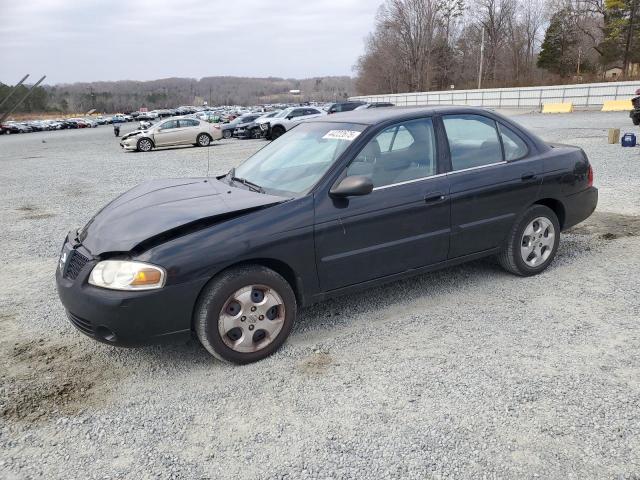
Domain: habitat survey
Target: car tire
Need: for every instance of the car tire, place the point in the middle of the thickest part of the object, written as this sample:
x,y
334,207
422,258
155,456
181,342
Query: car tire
x,y
203,140
532,243
227,134
636,120
277,131
144,145
227,326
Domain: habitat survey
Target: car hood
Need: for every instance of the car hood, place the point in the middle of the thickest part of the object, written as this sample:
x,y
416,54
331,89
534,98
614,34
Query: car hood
x,y
164,209
133,134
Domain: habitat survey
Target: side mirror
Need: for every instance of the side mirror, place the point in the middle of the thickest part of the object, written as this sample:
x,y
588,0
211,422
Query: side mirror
x,y
355,185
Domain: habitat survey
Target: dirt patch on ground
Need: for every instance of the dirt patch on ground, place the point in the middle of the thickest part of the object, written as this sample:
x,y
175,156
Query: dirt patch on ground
x,y
27,208
31,212
609,226
45,378
38,216
316,364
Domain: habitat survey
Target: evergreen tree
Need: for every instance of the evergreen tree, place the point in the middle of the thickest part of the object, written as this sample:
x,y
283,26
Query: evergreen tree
x,y
622,33
558,54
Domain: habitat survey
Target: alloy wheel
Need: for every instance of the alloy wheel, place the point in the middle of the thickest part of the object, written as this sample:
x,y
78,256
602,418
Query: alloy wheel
x,y
537,242
251,318
145,145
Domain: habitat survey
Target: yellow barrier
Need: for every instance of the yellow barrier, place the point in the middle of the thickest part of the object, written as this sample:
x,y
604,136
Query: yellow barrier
x,y
617,106
566,107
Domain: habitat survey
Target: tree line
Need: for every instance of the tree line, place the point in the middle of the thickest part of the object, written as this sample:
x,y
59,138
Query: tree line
x,y
419,45
127,95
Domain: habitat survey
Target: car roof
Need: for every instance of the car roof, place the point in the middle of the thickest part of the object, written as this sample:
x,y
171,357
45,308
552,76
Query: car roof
x,y
372,116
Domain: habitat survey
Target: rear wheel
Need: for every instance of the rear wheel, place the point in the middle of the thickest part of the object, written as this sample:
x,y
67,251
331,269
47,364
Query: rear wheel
x,y
532,242
144,145
227,134
636,119
245,314
203,140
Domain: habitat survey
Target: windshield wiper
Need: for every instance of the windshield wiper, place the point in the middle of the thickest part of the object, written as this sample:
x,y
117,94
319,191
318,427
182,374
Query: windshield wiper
x,y
253,186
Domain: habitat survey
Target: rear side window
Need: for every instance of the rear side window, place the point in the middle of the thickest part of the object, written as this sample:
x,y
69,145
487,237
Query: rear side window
x,y
514,147
189,123
473,141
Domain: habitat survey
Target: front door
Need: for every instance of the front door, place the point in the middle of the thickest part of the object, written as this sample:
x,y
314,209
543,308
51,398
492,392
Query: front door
x,y
401,225
168,133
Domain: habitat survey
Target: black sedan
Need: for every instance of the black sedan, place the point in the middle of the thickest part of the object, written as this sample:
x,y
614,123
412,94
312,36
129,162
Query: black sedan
x,y
340,203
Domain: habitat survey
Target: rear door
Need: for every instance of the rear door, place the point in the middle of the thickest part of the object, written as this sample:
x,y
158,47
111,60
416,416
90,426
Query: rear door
x,y
188,129
401,225
493,178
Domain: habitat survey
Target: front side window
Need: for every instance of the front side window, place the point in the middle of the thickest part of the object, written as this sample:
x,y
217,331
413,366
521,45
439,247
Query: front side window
x,y
400,153
295,162
473,141
514,147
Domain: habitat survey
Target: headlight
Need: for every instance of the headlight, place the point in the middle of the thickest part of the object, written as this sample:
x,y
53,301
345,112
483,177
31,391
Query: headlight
x,y
125,275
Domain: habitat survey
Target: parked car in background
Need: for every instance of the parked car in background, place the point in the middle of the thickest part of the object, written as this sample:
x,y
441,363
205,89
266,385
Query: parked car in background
x,y
174,131
374,105
36,126
288,118
342,106
635,113
148,116
11,127
252,129
228,128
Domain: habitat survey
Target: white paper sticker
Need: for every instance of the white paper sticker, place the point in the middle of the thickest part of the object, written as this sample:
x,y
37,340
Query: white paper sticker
x,y
348,135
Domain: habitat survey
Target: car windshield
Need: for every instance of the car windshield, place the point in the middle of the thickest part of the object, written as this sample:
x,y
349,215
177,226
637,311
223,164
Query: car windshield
x,y
283,113
293,164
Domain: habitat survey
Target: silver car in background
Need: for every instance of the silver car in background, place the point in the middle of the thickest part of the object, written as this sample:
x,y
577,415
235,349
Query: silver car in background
x,y
171,132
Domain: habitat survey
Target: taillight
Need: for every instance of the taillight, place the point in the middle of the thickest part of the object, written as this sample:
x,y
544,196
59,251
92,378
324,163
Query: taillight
x,y
590,176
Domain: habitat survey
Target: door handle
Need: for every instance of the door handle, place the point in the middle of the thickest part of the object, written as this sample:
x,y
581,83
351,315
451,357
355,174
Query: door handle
x,y
434,197
528,176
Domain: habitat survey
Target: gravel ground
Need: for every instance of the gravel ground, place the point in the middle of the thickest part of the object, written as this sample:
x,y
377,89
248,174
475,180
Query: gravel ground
x,y
463,373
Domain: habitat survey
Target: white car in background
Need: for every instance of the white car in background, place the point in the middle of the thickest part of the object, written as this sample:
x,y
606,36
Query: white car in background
x,y
171,132
288,118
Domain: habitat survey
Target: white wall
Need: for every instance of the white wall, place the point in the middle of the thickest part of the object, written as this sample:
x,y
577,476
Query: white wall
x,y
588,95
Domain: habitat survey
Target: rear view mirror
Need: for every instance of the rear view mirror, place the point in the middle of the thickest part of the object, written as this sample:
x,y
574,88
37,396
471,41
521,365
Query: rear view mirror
x,y
352,186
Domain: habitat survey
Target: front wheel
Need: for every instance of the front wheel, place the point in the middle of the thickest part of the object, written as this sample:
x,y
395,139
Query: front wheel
x,y
245,314
203,140
227,134
277,131
636,119
144,145
532,242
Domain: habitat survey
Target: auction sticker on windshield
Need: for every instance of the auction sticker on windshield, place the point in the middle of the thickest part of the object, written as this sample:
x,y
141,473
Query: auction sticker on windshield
x,y
341,135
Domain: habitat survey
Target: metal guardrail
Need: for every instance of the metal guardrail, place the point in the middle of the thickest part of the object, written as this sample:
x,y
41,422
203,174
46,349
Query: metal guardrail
x,y
587,96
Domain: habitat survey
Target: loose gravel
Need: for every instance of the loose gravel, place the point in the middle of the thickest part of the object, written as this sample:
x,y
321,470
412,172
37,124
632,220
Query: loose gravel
x,y
463,373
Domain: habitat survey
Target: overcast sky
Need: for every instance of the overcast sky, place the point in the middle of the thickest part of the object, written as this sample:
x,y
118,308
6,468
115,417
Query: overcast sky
x,y
92,40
